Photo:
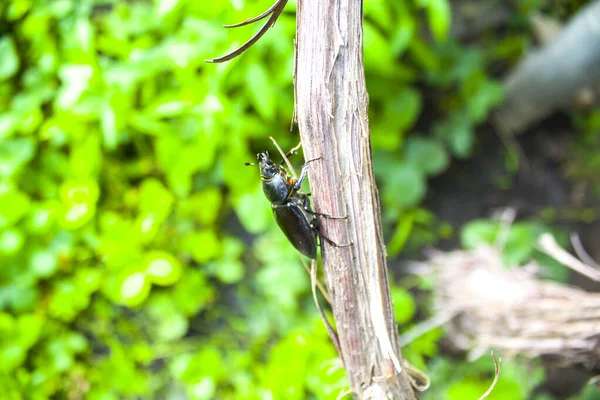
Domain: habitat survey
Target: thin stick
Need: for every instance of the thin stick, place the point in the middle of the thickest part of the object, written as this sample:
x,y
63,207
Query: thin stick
x,y
287,162
497,368
422,328
548,245
319,284
581,253
332,334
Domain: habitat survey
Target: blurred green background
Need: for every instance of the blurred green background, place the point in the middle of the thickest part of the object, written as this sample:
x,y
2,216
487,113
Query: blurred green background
x,y
138,256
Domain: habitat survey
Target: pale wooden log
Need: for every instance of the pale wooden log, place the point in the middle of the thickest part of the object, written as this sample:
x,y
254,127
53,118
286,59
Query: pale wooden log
x,y
549,78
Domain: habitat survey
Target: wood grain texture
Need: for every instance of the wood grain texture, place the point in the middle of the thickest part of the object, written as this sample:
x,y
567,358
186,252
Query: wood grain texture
x,y
331,110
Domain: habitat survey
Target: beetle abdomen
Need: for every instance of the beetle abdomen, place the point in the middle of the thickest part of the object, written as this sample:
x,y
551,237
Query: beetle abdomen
x,y
296,227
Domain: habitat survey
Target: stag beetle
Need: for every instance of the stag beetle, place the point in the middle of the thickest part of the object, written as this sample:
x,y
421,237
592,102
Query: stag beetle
x,y
291,207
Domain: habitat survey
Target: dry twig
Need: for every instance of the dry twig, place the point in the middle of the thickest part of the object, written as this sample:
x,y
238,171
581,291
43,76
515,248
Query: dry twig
x,y
497,368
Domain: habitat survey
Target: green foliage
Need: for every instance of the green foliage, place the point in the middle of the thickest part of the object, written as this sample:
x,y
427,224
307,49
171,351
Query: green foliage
x,y
139,256
120,161
463,96
465,381
518,243
404,305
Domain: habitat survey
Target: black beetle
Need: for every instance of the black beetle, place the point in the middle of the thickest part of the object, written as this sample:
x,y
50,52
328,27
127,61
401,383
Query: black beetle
x,y
291,207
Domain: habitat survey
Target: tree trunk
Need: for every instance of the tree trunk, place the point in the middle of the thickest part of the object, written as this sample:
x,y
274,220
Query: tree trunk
x,y
331,109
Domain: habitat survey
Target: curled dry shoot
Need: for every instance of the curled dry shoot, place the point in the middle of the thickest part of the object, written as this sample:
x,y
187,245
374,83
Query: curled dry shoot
x,y
273,13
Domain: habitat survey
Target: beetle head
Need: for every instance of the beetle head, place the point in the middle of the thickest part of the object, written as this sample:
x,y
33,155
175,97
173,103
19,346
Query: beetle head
x,y
267,168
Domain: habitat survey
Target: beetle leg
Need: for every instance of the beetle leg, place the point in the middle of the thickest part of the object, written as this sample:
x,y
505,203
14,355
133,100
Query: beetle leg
x,y
314,226
306,207
303,174
326,216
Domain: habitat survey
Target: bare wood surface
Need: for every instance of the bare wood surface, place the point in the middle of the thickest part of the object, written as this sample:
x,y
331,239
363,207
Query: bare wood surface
x,y
549,78
331,109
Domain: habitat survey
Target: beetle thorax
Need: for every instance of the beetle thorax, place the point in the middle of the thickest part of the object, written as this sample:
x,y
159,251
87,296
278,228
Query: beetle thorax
x,y
274,179
276,188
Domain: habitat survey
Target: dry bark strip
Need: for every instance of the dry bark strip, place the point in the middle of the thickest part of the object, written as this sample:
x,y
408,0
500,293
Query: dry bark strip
x,y
331,109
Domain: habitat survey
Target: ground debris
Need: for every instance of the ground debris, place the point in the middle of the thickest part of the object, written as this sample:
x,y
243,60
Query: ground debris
x,y
512,311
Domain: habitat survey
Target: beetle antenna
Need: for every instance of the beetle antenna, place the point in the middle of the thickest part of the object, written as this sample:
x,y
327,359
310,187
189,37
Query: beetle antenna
x,y
248,164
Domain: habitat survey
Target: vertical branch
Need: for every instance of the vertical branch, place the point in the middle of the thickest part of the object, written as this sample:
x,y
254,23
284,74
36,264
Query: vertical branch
x,y
331,108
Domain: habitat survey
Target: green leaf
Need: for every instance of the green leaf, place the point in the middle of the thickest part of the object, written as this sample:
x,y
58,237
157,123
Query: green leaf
x,y
424,56
203,245
162,268
519,244
193,292
401,233
9,123
17,9
378,57
135,288
205,363
591,392
11,241
478,232
398,116
426,154
13,206
9,59
155,205
119,245
155,198
203,206
405,186
440,17
254,210
67,300
405,31
468,389
488,95
168,322
260,90
404,305
43,263
86,158
229,271
15,154
79,203
76,80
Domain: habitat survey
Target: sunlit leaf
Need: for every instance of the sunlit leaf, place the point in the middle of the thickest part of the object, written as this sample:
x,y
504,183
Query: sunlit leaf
x,y
9,59
162,268
135,288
